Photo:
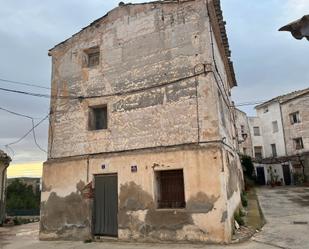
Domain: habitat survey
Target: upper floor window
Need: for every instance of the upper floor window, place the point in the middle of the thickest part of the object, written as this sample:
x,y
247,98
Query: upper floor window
x,y
245,150
97,118
266,109
275,126
242,128
294,118
93,56
258,152
274,150
298,142
256,131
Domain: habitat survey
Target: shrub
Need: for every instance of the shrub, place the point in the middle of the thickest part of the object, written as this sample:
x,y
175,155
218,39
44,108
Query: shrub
x,y
238,216
244,199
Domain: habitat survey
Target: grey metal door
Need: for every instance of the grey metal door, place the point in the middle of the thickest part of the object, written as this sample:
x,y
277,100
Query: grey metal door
x,y
106,205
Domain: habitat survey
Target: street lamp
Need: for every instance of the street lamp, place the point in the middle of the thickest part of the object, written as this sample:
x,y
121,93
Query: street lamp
x,y
299,28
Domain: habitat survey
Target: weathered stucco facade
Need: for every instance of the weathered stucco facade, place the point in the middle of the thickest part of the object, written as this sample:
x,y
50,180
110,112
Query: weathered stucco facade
x,y
4,164
279,134
243,133
166,90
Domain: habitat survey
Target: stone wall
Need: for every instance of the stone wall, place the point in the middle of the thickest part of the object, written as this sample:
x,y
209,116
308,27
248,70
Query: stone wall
x,y
146,77
292,131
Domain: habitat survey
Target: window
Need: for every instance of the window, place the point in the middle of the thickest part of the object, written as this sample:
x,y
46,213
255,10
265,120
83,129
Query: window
x,y
274,150
298,143
266,109
275,126
258,152
245,151
98,118
93,56
256,131
294,118
171,193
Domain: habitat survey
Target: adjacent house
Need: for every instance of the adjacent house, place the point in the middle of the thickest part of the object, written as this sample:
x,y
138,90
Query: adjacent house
x,y
243,133
142,137
280,142
4,164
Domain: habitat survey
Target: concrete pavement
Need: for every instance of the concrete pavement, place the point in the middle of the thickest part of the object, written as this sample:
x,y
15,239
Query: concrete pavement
x,y
282,207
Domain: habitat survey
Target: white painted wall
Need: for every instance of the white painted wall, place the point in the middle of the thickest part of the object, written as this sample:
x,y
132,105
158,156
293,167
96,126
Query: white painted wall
x,y
256,140
277,168
269,136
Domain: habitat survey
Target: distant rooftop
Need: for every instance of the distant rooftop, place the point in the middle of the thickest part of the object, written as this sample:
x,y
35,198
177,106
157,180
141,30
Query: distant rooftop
x,y
285,97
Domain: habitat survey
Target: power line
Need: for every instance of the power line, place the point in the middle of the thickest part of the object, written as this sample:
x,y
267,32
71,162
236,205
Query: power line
x,y
24,84
17,114
28,132
37,94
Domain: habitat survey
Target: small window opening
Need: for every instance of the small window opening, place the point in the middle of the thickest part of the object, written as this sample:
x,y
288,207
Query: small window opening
x,y
275,126
258,152
170,186
295,118
97,118
93,56
256,131
298,143
266,109
274,150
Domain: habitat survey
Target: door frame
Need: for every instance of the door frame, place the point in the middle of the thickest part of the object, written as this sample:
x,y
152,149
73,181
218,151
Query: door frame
x,y
94,206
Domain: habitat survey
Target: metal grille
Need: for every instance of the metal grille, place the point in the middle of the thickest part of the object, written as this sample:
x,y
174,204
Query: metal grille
x,y
171,186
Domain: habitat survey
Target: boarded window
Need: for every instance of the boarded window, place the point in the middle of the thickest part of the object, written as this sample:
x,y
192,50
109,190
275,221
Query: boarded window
x,y
170,185
98,118
298,143
274,150
294,118
256,131
258,152
275,126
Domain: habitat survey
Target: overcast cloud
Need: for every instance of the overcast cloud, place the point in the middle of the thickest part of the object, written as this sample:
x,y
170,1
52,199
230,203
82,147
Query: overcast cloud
x,y
267,63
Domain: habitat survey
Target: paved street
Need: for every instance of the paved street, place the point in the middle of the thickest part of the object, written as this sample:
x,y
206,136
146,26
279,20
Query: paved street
x,y
282,208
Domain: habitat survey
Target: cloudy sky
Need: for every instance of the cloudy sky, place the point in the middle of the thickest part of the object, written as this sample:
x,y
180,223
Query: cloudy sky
x,y
267,62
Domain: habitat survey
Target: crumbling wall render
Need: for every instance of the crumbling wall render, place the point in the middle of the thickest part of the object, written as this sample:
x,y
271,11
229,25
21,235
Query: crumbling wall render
x,y
66,213
141,46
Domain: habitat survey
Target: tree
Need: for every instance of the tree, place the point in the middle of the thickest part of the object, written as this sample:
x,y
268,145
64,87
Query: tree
x,y
247,166
22,196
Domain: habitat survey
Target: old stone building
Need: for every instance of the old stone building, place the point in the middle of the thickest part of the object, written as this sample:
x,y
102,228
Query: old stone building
x,y
142,138
4,164
295,116
280,138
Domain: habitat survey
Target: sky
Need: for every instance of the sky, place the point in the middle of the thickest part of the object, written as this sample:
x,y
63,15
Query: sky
x,y
267,63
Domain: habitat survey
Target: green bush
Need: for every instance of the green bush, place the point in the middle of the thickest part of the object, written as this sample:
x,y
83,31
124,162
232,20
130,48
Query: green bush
x,y
238,216
244,199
